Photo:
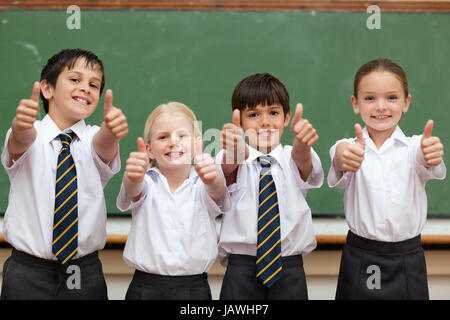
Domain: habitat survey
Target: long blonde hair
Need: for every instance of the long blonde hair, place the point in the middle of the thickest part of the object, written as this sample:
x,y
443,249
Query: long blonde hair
x,y
172,108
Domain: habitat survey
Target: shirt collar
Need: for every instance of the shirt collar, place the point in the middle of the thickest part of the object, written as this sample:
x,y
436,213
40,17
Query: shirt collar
x,y
397,135
155,171
52,131
254,154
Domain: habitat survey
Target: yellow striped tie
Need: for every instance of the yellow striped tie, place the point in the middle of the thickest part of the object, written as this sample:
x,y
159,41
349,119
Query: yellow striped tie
x,y
65,218
268,252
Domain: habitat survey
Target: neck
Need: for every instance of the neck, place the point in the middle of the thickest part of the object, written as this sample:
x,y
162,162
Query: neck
x,y
379,137
61,123
175,176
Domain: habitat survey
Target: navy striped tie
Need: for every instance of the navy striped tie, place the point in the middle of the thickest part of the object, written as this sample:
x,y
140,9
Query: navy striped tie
x,y
268,252
65,219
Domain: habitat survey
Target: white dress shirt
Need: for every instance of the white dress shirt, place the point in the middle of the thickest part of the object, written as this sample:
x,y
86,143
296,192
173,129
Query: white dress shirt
x,y
239,228
385,199
28,221
172,233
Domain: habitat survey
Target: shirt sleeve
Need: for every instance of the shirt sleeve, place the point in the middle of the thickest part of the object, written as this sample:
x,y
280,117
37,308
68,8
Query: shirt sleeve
x,y
11,169
315,178
106,170
125,203
335,177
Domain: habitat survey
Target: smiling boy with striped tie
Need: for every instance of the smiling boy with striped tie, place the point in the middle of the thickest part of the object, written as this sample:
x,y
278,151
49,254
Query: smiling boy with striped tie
x,y
269,227
58,166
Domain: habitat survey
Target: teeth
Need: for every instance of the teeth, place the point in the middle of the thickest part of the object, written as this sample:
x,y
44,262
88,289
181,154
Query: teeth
x,y
82,100
381,117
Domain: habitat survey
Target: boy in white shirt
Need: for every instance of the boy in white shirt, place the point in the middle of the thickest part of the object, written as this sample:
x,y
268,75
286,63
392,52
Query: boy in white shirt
x,y
269,226
384,174
58,166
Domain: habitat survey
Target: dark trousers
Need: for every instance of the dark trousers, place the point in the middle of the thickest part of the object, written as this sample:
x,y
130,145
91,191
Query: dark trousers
x,y
147,286
373,269
240,281
29,277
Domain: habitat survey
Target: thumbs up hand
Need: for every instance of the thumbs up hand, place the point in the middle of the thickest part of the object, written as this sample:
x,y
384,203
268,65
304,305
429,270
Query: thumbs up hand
x,y
349,157
137,163
23,132
431,149
113,117
302,129
206,168
233,141
28,110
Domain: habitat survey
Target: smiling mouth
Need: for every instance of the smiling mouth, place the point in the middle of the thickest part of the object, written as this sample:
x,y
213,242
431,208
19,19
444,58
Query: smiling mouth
x,y
82,100
383,117
266,133
174,154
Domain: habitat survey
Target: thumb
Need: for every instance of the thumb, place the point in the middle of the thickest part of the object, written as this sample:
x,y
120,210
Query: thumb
x,y
36,91
428,129
108,102
236,118
140,144
298,113
359,134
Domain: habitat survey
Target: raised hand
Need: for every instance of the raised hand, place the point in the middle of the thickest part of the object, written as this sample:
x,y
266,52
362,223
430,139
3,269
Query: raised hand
x,y
232,139
206,168
302,129
114,118
431,148
349,157
137,163
27,110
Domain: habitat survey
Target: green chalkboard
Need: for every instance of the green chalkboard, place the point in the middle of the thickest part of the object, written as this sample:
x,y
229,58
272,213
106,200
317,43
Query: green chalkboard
x,y
197,58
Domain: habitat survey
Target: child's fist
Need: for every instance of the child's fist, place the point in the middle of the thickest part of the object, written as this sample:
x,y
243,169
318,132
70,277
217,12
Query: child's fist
x,y
431,147
114,118
137,163
206,168
302,129
349,157
28,110
232,138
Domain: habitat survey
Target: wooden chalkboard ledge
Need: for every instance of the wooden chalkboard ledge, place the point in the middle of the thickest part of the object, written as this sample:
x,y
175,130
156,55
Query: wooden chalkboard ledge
x,y
244,5
323,241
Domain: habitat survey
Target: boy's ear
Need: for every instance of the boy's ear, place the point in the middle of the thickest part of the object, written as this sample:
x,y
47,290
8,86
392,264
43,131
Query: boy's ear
x,y
198,145
46,89
287,118
355,104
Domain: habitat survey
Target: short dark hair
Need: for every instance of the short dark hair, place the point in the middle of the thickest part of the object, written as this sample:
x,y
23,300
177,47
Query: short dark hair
x,y
260,88
67,58
380,64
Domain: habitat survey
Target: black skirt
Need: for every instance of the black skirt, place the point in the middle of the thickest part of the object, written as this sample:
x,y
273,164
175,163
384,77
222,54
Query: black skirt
x,y
147,286
373,269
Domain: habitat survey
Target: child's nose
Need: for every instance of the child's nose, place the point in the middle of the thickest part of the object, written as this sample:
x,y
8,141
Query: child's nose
x,y
381,105
84,87
265,120
174,139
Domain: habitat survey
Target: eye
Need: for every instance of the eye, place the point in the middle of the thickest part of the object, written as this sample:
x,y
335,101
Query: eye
x,y
93,85
74,80
274,113
252,115
392,97
162,137
369,98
